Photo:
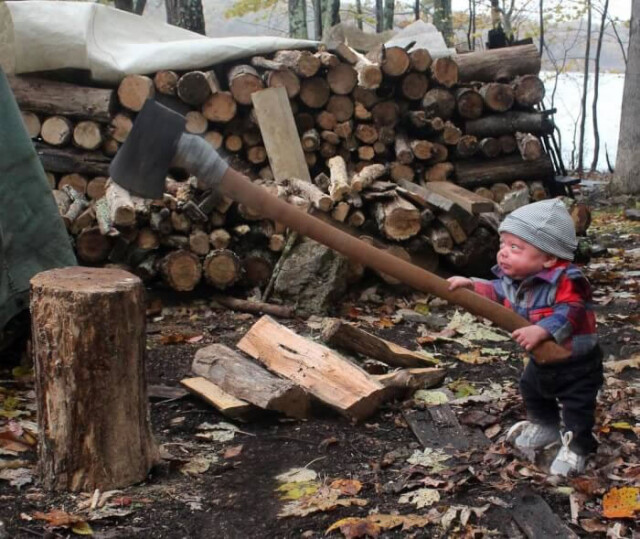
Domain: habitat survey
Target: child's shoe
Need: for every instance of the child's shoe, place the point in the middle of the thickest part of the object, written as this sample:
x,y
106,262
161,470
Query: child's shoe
x,y
533,435
567,461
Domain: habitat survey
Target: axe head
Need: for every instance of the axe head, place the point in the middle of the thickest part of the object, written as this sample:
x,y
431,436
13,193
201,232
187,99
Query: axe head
x,y
142,162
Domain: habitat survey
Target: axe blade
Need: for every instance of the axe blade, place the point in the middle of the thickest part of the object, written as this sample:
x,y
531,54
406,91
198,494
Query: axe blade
x,y
142,162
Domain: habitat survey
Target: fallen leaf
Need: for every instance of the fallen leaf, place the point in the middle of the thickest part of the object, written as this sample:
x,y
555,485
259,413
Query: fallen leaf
x,y
431,397
478,418
348,487
588,485
475,357
297,489
233,452
423,497
82,528
17,477
297,474
493,431
466,325
179,338
59,519
462,388
324,444
325,499
218,432
618,366
621,502
198,465
384,322
429,458
372,525
593,525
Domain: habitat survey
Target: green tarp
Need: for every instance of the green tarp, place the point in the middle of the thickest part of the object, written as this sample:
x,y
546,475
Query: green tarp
x,y
33,238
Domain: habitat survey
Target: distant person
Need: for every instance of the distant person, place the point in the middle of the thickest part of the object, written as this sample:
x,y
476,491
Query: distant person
x,y
537,280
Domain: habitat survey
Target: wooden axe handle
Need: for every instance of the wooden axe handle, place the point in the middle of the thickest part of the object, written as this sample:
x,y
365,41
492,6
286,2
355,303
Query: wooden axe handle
x,y
239,188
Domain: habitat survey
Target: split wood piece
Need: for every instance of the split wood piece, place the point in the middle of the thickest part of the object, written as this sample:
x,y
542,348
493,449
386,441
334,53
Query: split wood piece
x,y
367,176
340,212
97,316
264,63
325,120
439,153
450,135
404,380
181,270
134,90
86,219
31,123
56,131
394,61
500,190
303,63
92,247
445,72
490,147
537,191
418,120
220,107
199,242
327,59
315,92
470,103
341,106
536,519
344,130
528,90
474,173
342,79
361,113
283,78
61,99
397,219
439,239
484,192
102,217
439,103
420,60
497,97
529,146
339,184
309,191
422,149
403,151
498,64
467,146
337,333
121,209
76,181
368,98
386,114
255,307
369,73
438,427
508,123
366,153
356,219
110,146
317,369
508,144
243,81
87,135
440,172
161,221
226,404
245,380
467,200
219,239
166,82
194,87
280,137
222,268
310,140
398,172
453,227
120,127
196,123
414,86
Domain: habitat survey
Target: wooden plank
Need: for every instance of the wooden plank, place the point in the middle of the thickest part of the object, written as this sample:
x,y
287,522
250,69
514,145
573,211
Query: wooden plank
x,y
468,200
438,427
223,402
338,333
536,519
242,378
428,198
280,134
316,368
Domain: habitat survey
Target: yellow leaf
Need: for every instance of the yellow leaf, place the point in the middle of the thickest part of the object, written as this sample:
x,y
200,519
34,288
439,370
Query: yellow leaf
x,y
475,357
297,489
621,502
622,425
82,528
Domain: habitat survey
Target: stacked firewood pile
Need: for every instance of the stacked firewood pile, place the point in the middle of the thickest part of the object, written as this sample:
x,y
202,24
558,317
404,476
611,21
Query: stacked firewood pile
x,y
383,135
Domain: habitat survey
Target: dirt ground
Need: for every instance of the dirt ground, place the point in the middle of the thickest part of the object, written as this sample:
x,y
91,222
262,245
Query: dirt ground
x,y
209,488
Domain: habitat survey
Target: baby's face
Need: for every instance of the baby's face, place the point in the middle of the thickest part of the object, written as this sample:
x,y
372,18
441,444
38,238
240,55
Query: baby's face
x,y
519,259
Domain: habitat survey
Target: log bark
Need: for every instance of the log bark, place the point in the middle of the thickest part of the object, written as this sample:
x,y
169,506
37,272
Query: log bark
x,y
403,151
385,114
315,92
61,99
473,173
284,78
341,106
469,103
490,147
181,270
243,81
194,87
500,190
450,135
394,61
303,63
529,146
467,146
220,107
445,72
342,335
56,131
528,90
439,172
508,144
92,401
397,219
166,82
414,86
134,90
420,60
439,103
366,133
31,123
498,64
314,367
339,184
196,123
92,247
87,135
255,307
439,239
467,200
120,127
508,123
121,209
77,181
422,149
342,79
367,176
245,380
497,97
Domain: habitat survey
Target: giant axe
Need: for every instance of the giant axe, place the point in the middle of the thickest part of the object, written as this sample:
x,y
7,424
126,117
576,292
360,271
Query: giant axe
x,y
158,142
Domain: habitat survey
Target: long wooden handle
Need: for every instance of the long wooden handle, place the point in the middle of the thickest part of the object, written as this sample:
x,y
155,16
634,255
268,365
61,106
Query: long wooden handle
x,y
239,188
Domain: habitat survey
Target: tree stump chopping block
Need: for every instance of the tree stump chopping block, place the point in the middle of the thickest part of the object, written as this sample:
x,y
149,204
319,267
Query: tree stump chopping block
x,y
89,342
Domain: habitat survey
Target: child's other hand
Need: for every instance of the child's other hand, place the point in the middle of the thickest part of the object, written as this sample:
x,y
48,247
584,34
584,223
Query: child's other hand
x,y
530,336
459,282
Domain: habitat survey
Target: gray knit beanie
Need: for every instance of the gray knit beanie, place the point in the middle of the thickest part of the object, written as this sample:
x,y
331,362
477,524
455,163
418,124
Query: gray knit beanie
x,y
546,225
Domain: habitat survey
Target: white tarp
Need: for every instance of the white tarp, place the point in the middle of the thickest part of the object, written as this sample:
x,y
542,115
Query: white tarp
x,y
39,35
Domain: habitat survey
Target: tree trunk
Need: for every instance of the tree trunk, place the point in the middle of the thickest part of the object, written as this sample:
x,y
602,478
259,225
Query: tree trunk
x,y
389,12
298,19
187,14
442,19
330,14
92,399
359,14
498,65
627,175
585,87
379,16
596,87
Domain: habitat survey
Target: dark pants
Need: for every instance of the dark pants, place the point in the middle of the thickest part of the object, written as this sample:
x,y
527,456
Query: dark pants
x,y
575,386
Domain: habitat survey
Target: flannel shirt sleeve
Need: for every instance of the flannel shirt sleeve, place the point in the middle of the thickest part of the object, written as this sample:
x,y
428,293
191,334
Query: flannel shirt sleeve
x,y
489,289
569,311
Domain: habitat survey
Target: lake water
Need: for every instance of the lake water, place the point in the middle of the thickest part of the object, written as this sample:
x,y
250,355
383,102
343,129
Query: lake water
x,y
567,100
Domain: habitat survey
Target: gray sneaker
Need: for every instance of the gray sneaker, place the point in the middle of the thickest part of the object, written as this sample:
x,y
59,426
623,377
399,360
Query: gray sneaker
x,y
533,435
567,461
